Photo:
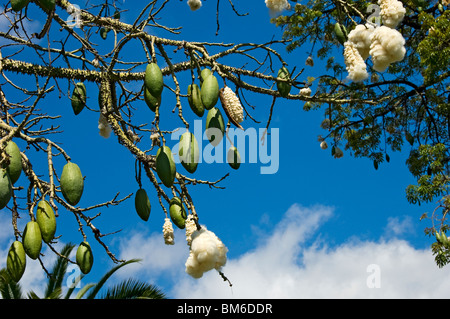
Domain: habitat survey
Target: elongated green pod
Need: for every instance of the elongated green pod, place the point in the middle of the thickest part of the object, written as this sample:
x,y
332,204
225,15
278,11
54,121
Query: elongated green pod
x,y
46,219
5,188
32,239
195,99
16,261
153,79
284,88
189,152
233,157
84,257
151,101
165,165
177,212
14,167
72,183
47,5
78,99
142,204
18,5
215,126
210,92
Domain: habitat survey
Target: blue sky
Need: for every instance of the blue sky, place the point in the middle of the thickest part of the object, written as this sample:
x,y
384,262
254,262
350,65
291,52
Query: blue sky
x,y
310,230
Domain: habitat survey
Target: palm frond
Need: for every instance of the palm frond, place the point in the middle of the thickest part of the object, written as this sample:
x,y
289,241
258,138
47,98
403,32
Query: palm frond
x,y
58,272
83,290
134,289
9,289
73,286
32,295
102,281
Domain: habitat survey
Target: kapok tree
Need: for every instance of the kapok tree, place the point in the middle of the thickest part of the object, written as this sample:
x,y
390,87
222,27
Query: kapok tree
x,y
396,53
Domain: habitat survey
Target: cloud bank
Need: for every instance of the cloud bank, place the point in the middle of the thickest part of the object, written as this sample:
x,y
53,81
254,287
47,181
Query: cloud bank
x,y
290,261
293,262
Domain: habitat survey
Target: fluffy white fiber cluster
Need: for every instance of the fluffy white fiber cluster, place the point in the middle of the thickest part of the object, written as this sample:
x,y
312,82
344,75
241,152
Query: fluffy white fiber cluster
x,y
383,44
207,252
356,67
276,6
361,36
387,47
168,232
392,12
194,4
103,126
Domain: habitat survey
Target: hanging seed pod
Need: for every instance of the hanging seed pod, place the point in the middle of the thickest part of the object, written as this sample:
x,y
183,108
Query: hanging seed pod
x,y
32,239
45,217
189,152
195,100
341,32
153,79
234,158
232,106
18,5
84,257
5,188
151,101
14,167
142,204
177,212
47,5
210,92
215,126
165,166
78,98
72,183
284,88
16,261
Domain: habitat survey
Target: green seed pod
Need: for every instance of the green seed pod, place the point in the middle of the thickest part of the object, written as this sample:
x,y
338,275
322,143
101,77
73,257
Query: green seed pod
x,y
78,98
5,188
151,101
341,32
210,92
104,32
142,204
84,257
18,5
47,5
195,99
204,74
189,152
72,183
45,217
116,15
284,88
215,126
32,239
165,165
14,168
233,157
16,261
177,212
153,79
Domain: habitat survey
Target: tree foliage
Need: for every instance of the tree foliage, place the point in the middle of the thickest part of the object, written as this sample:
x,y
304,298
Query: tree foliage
x,y
412,96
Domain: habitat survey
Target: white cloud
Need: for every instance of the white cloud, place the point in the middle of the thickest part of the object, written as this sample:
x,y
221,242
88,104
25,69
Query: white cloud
x,y
397,226
287,266
290,261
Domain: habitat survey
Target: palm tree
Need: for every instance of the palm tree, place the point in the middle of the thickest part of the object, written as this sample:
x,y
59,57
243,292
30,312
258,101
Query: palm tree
x,y
127,289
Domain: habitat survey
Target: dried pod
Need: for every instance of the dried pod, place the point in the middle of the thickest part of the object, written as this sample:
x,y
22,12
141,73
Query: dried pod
x,y
232,106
